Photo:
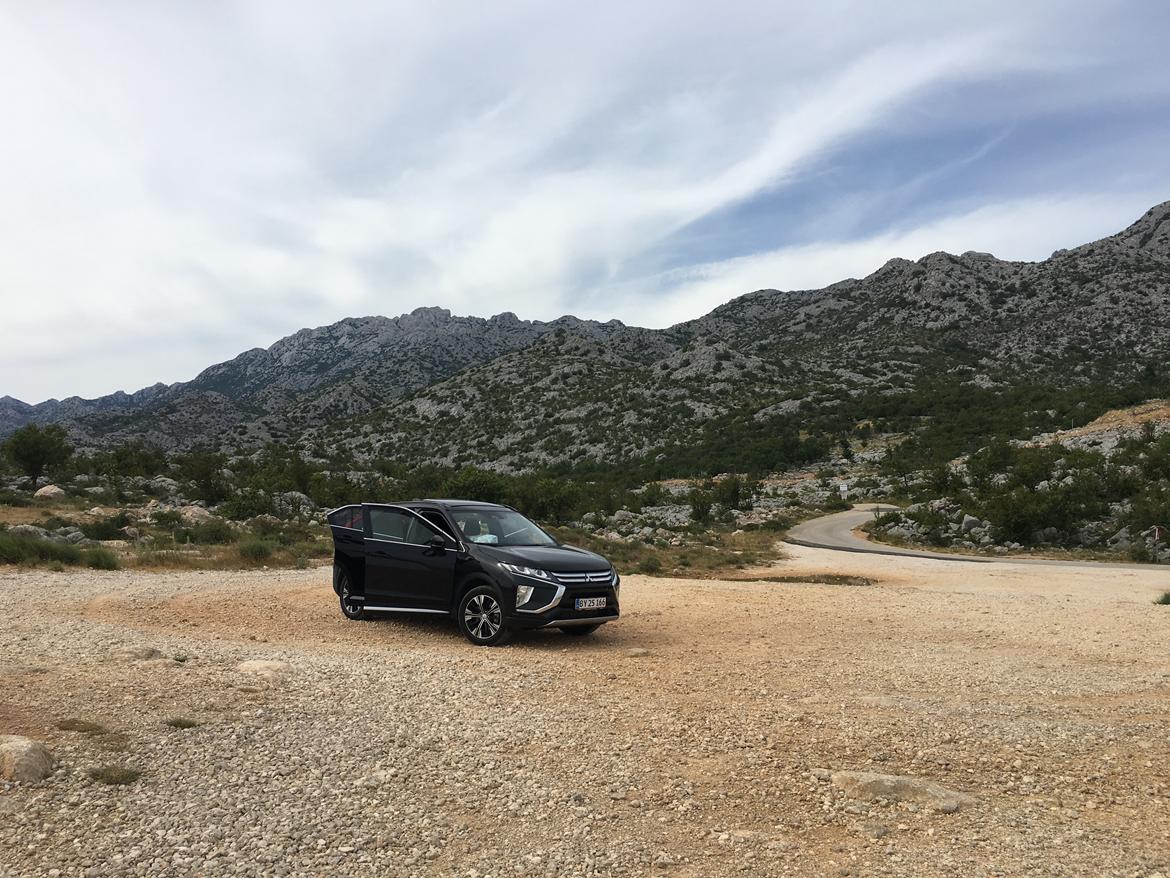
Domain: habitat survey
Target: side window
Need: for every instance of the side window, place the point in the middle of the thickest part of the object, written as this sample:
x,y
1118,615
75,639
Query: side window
x,y
389,524
350,516
436,518
419,531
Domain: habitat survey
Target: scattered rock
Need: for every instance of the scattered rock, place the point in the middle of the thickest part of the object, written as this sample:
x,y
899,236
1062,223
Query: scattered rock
x,y
899,788
637,652
269,668
135,654
194,514
49,492
23,760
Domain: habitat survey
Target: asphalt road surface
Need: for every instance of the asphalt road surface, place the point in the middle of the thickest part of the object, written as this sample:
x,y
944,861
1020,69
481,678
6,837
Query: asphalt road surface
x,y
838,532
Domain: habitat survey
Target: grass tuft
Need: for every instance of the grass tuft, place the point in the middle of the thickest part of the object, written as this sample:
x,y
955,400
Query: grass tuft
x,y
82,725
101,559
114,775
181,722
1164,600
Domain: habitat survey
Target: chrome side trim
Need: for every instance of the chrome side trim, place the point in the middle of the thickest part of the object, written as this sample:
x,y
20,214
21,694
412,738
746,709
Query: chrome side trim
x,y
556,600
407,610
355,597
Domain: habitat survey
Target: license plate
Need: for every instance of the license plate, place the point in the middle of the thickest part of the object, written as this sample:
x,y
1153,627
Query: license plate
x,y
589,603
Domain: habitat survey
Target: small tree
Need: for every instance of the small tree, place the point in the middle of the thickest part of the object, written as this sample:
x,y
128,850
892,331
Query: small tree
x,y
34,449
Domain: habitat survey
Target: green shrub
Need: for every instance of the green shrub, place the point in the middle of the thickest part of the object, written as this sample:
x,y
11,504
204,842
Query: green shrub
x,y
106,528
1164,600
101,559
168,518
650,565
213,532
246,504
24,549
11,498
255,550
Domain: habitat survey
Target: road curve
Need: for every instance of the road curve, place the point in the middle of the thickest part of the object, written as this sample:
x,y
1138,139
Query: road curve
x,y
836,532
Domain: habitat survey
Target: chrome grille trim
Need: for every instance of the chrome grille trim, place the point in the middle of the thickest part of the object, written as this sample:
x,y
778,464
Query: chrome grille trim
x,y
586,577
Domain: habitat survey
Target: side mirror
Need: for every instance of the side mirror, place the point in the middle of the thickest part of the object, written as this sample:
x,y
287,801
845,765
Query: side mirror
x,y
437,542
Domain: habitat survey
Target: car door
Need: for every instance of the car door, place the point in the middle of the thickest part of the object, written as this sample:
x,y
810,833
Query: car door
x,y
403,570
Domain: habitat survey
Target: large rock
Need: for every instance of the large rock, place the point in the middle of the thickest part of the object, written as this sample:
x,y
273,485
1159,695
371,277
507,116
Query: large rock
x,y
970,522
194,514
899,788
24,760
29,530
49,492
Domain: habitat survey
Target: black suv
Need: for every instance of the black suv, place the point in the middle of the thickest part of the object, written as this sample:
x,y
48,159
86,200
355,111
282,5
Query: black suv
x,y
487,565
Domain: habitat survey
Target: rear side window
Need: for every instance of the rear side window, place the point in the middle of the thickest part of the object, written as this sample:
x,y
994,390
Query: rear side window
x,y
350,516
390,524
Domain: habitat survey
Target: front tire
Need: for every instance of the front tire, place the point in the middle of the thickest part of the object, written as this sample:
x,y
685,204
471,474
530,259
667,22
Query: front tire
x,y
350,608
480,617
580,630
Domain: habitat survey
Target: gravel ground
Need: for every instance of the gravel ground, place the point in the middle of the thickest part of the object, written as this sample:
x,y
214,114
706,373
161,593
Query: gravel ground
x,y
695,737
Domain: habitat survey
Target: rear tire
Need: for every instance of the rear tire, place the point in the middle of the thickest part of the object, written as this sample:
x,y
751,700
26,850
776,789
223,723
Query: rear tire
x,y
480,616
580,630
352,609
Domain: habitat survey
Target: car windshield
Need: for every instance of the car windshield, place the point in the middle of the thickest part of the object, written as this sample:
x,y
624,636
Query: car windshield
x,y
499,527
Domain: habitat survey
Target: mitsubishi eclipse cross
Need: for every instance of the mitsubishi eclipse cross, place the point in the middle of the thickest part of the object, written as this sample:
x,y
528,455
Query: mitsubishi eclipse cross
x,y
486,565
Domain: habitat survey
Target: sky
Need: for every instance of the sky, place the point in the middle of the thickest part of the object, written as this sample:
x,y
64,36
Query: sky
x,y
180,182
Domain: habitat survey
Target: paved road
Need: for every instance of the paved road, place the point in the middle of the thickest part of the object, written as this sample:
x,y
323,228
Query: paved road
x,y
836,532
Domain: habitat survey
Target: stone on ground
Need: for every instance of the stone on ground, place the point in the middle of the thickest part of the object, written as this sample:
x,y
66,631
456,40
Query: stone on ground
x,y
900,788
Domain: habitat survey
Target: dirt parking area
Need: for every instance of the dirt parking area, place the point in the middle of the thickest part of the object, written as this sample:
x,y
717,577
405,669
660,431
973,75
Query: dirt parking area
x,y
703,734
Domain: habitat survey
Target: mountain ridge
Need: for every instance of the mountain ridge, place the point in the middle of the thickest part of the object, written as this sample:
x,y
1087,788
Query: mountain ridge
x,y
1060,319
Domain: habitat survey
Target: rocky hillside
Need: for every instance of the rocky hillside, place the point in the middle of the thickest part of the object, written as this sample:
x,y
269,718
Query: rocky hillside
x,y
516,394
759,367
306,379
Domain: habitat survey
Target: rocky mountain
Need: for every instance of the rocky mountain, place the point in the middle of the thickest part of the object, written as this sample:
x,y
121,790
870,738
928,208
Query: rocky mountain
x,y
518,394
1097,313
315,375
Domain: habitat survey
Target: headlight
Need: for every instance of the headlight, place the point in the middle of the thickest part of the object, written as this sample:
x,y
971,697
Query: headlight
x,y
617,584
523,594
520,570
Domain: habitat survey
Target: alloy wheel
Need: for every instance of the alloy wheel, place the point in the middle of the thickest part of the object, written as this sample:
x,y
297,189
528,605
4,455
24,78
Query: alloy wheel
x,y
482,616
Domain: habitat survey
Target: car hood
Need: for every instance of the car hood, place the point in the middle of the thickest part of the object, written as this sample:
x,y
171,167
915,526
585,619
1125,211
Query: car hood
x,y
558,559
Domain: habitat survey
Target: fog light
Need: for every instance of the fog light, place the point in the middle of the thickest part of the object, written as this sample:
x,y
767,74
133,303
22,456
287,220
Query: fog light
x,y
523,594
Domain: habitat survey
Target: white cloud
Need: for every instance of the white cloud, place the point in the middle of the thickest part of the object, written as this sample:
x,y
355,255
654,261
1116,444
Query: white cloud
x,y
182,182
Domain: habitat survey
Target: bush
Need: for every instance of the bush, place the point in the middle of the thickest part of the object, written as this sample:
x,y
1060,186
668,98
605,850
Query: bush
x,y
23,549
34,448
106,528
1164,600
255,550
213,532
650,565
101,559
246,504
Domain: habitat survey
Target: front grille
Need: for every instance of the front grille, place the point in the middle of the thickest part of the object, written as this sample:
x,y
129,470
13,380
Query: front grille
x,y
586,577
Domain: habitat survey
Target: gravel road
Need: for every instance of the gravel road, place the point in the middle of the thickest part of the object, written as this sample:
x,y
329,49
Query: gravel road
x,y
698,736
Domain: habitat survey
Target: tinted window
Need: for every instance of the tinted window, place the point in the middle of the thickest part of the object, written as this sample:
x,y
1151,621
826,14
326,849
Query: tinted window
x,y
420,532
350,516
436,518
390,524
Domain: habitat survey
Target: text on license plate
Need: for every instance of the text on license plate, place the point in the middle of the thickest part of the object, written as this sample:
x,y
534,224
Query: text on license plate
x,y
589,603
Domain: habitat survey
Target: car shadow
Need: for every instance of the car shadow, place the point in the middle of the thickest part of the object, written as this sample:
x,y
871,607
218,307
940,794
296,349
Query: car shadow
x,y
543,639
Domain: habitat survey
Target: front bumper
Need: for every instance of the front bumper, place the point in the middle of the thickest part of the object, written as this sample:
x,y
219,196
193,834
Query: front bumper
x,y
559,608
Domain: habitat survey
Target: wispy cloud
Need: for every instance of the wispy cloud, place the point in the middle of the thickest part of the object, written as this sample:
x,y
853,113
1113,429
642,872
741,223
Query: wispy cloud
x,y
182,182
